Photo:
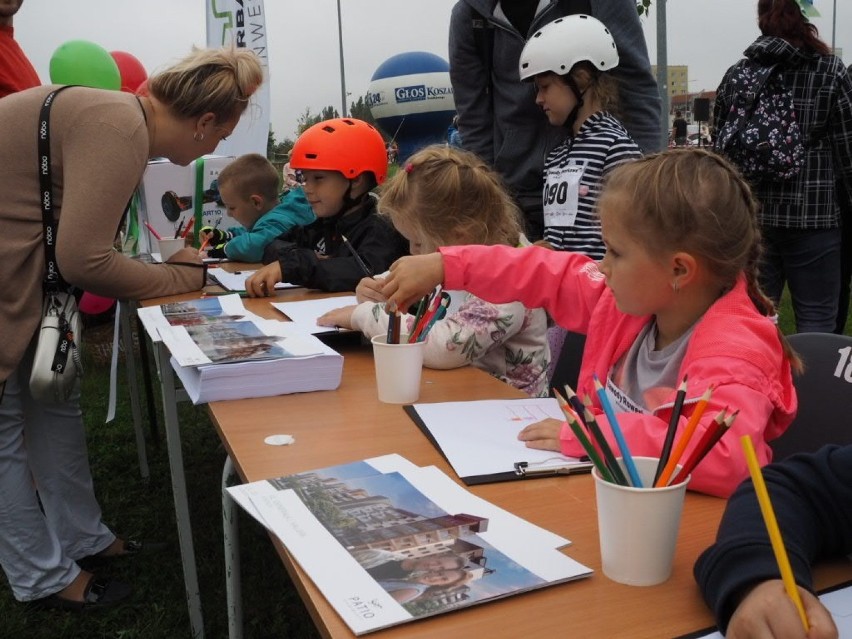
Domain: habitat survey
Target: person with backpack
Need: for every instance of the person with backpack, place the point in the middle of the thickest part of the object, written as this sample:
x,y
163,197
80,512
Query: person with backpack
x,y
793,142
498,117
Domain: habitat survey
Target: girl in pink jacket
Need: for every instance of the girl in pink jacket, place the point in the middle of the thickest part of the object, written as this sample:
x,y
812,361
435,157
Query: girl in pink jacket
x,y
675,295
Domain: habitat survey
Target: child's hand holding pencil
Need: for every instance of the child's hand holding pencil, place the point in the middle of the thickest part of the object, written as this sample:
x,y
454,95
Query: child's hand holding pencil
x,y
768,609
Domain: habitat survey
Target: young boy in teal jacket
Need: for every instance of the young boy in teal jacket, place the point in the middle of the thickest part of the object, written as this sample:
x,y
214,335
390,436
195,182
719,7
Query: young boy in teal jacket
x,y
248,187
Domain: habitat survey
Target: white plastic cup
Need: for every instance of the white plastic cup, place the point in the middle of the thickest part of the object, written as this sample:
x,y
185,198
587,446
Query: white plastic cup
x,y
638,527
170,246
398,369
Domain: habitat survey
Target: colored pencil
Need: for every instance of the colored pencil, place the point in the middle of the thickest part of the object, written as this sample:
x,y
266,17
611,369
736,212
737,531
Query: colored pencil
x,y
772,528
153,231
188,228
611,461
179,227
672,429
437,316
421,308
574,425
711,435
392,337
619,435
685,436
216,293
576,403
367,270
397,327
427,315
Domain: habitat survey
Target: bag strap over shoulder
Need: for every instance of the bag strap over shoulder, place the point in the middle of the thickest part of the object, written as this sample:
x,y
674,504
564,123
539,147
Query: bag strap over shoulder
x,y
53,281
762,73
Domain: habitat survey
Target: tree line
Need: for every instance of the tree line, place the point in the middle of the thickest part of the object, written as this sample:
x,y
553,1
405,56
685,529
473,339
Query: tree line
x,y
278,151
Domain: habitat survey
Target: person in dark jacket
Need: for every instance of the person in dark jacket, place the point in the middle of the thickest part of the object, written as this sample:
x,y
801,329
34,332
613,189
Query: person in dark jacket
x,y
498,117
800,216
738,575
341,160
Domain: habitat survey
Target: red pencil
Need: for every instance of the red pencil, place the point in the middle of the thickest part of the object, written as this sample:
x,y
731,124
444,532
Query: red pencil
x,y
188,227
430,311
153,231
718,427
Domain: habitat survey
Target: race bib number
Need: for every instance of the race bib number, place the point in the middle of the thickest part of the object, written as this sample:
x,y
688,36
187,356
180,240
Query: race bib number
x,y
561,193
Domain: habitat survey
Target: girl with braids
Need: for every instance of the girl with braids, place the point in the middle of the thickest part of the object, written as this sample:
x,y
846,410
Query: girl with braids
x,y
675,295
445,197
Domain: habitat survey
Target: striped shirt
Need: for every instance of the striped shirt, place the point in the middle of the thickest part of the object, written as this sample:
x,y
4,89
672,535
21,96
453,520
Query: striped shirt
x,y
573,173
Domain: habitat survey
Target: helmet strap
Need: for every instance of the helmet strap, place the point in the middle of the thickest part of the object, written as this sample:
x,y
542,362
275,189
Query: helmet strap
x,y
572,116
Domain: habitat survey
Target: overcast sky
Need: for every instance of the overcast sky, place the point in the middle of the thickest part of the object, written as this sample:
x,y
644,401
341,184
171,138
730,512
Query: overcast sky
x,y
707,35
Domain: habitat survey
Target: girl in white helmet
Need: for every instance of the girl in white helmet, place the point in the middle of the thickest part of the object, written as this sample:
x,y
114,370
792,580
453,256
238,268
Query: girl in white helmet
x,y
569,61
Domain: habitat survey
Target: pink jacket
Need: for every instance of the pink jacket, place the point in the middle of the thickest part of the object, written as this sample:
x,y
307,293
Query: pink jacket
x,y
733,347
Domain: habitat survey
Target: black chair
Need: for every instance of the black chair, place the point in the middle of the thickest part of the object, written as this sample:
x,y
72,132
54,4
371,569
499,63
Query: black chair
x,y
566,368
825,395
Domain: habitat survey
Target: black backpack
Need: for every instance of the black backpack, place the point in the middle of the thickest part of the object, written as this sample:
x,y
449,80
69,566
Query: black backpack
x,y
761,133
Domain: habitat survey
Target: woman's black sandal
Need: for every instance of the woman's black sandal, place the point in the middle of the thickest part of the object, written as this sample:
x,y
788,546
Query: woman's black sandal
x,y
100,593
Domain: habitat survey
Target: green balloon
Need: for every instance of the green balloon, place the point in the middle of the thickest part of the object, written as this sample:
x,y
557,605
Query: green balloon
x,y
85,63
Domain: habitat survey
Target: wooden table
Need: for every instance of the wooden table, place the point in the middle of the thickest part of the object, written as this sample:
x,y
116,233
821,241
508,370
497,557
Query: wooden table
x,y
350,424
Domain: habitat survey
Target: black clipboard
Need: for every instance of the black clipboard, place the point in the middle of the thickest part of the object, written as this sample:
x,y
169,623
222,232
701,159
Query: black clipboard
x,y
521,470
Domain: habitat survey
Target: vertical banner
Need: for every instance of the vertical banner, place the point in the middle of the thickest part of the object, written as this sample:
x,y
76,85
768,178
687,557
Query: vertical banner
x,y
243,23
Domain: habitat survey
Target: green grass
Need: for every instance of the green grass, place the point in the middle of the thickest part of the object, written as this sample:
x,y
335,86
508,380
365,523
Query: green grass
x,y
145,511
141,510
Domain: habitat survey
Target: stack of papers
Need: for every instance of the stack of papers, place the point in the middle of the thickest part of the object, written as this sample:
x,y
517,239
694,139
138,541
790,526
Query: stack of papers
x,y
388,542
221,351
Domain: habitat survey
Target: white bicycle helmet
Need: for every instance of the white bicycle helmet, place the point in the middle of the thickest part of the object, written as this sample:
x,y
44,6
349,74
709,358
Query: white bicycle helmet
x,y
561,44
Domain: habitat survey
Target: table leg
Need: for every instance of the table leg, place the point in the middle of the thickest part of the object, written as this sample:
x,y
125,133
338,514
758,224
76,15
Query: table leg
x,y
123,310
173,445
231,530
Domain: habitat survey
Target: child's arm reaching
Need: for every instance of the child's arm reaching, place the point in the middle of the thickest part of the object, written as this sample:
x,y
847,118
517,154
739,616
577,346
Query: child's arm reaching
x,y
567,285
247,245
412,278
472,333
369,289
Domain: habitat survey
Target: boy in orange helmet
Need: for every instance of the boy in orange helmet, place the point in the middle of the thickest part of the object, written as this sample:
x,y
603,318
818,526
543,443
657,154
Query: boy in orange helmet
x,y
341,161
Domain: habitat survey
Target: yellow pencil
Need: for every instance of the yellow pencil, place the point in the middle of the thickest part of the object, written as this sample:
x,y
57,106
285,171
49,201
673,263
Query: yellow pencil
x,y
772,528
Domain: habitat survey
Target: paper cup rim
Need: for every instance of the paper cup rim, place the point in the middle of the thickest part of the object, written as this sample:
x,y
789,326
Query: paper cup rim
x,y
598,479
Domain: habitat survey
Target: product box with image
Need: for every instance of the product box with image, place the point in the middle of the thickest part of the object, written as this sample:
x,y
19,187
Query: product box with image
x,y
172,195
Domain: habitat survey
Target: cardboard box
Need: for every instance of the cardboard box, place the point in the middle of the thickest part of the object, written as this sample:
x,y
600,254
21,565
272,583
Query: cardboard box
x,y
168,196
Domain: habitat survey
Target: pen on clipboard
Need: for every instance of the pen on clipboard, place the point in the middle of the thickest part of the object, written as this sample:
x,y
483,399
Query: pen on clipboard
x,y
525,469
367,270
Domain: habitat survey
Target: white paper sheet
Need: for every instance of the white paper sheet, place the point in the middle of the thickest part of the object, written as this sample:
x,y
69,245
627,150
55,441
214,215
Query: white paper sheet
x,y
524,556
236,280
304,314
481,437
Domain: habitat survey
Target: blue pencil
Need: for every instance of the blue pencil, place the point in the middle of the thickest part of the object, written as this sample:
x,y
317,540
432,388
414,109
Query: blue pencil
x,y
619,436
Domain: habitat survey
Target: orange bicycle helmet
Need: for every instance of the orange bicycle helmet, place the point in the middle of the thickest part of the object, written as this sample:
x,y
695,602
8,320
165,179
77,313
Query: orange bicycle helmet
x,y
346,145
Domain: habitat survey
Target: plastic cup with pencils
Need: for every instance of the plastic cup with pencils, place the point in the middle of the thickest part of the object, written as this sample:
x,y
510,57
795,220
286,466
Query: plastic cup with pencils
x,y
399,368
638,527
